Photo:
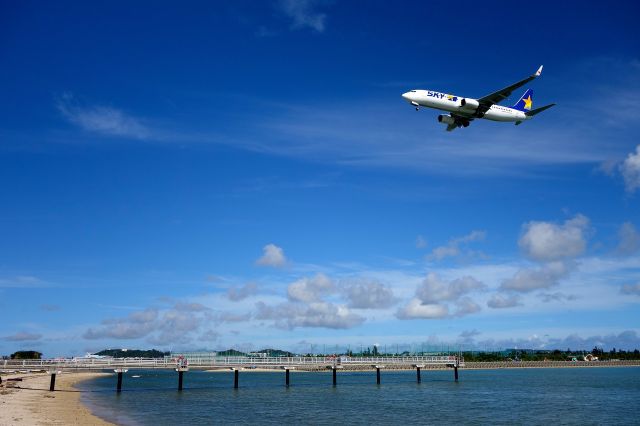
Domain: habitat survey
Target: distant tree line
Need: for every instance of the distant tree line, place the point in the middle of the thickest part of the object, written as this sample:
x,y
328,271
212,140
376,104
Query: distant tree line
x,y
550,355
26,355
132,353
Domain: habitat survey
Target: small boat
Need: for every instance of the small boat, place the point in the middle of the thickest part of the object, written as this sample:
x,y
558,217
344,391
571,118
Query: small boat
x,y
135,376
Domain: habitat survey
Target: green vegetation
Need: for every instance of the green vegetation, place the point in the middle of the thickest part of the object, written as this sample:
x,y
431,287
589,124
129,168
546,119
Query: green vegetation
x,y
549,355
132,353
26,355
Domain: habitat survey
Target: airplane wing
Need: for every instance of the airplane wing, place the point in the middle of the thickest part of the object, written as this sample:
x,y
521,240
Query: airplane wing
x,y
500,95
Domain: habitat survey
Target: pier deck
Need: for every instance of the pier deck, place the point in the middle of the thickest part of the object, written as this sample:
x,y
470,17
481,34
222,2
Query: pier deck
x,y
302,363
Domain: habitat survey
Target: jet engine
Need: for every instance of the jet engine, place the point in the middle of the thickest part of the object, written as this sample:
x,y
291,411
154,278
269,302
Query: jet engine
x,y
470,104
446,119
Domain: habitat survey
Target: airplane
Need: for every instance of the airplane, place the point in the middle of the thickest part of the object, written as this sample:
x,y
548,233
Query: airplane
x,y
464,110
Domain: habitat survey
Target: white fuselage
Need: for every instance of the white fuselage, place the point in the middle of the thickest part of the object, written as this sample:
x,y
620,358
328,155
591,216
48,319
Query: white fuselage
x,y
452,103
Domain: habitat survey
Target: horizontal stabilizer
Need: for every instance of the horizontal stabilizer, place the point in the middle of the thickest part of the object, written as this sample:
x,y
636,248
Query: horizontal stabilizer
x,y
537,110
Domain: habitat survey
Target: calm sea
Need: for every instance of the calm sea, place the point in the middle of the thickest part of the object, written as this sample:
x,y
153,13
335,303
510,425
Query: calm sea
x,y
580,396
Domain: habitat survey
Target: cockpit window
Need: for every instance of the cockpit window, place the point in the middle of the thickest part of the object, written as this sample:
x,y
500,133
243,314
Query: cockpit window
x,y
413,91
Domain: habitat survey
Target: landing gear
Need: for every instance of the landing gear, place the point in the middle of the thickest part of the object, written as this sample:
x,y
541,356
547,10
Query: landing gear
x,y
417,109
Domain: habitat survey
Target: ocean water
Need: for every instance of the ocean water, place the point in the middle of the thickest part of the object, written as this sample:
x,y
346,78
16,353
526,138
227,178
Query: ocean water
x,y
572,396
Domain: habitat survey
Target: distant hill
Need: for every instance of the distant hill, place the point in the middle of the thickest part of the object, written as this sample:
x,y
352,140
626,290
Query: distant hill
x,y
132,353
275,352
26,355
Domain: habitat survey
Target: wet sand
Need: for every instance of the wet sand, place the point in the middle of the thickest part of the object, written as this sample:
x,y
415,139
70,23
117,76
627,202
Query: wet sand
x,y
29,402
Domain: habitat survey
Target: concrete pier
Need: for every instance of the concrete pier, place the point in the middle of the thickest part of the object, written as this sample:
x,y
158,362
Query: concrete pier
x,y
120,371
52,384
378,367
286,376
236,377
181,371
418,368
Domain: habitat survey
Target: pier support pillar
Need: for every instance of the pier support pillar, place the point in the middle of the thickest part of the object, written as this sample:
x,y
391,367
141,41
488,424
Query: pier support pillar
x,y
455,372
286,377
335,376
236,376
120,372
378,367
418,368
52,384
181,370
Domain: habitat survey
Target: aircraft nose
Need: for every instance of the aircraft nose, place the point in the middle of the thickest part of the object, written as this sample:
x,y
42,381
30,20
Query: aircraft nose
x,y
406,95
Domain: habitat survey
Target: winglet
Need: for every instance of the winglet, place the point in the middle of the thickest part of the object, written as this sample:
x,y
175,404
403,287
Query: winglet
x,y
539,71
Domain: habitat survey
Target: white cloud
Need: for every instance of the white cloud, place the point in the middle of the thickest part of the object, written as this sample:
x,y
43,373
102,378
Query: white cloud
x,y
629,239
557,297
101,119
291,315
529,279
545,241
190,307
137,325
500,301
469,334
311,289
633,289
22,281
433,295
272,256
369,295
420,242
303,14
630,169
23,337
209,336
240,293
435,290
453,248
415,309
172,326
466,306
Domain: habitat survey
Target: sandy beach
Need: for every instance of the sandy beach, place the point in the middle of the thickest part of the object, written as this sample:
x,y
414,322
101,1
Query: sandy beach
x,y
29,401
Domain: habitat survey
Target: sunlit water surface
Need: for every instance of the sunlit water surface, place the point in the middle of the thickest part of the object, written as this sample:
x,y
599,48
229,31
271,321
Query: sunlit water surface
x,y
580,396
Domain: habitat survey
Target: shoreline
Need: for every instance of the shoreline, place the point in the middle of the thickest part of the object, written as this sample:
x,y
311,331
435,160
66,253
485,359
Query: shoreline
x,y
29,402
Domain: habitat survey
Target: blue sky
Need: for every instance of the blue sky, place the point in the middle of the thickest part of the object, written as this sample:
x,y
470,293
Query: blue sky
x,y
216,174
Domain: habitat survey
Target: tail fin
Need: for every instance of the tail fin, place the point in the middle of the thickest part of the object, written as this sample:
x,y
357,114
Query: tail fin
x,y
525,103
537,110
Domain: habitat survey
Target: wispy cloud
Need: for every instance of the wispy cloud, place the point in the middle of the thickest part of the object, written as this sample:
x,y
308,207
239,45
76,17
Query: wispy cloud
x,y
101,119
455,246
630,169
23,337
22,281
304,14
